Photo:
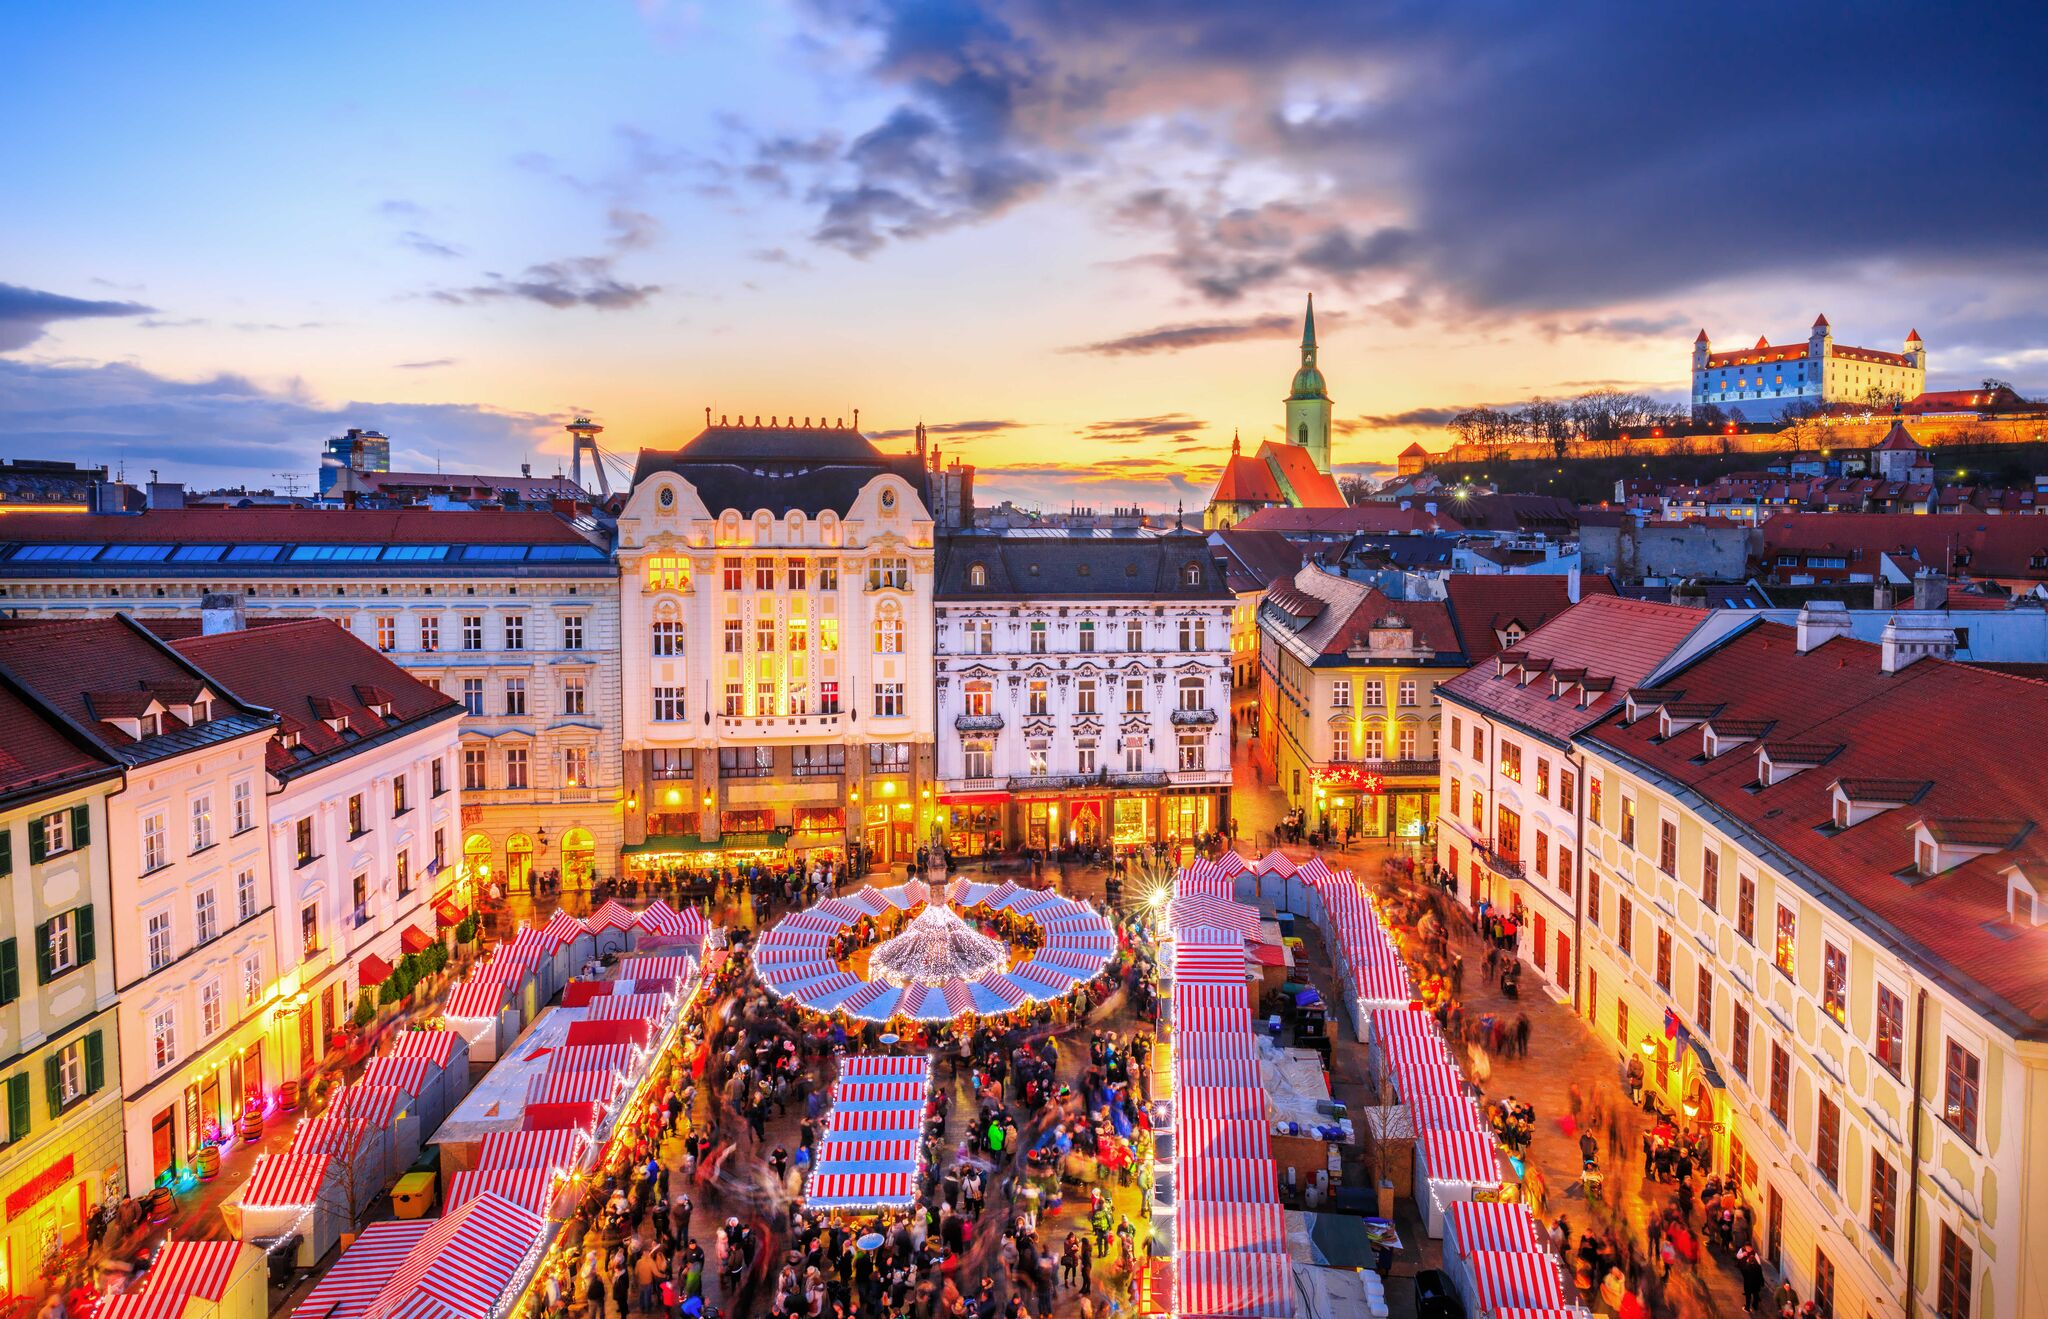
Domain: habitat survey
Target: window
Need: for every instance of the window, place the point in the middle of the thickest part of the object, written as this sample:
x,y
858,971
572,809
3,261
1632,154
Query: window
x,y
387,633
210,1015
205,919
1889,1044
1084,696
1194,634
1621,1022
1781,1083
472,769
573,696
572,632
156,848
1084,755
1194,692
252,980
667,637
1034,756
575,767
1374,743
1738,1050
828,696
243,803
735,633
55,829
1084,636
515,632
888,700
669,763
981,636
1823,1284
978,698
1457,733
1373,694
1593,802
355,815
764,574
473,696
1834,982
1628,822
1564,868
978,759
163,1040
1787,943
472,631
1667,846
1664,960
1511,761
1884,1201
745,762
890,573
797,575
309,928
245,895
1134,755
1134,635
1625,927
1457,796
889,636
515,767
1958,1267
1406,691
1036,637
1340,693
1959,1092
828,574
668,705
404,871
764,636
515,696
1193,751
731,573
1340,744
1036,697
1703,1002
1567,788
1134,695
1407,743
157,932
1710,879
1543,776
430,633
1827,1141
1745,907
75,1075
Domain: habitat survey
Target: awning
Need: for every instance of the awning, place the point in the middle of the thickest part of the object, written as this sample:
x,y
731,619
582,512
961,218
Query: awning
x,y
1708,1072
372,970
416,940
450,912
658,844
751,841
973,798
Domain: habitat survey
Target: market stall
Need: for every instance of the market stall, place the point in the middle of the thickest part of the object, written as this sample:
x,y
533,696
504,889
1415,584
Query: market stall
x,y
612,928
417,1076
570,945
448,1052
303,1195
1235,1283
482,1012
464,1264
389,1109
198,1280
349,1286
1452,1164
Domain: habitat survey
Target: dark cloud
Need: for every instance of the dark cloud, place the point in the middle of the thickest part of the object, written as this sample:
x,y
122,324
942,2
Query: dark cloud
x,y
1390,421
426,244
26,314
428,365
1171,423
229,429
1201,334
586,281
957,430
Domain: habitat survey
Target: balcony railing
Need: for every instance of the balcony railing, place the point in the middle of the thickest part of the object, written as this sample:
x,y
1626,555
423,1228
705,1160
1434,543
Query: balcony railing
x,y
1186,717
1391,767
978,723
1498,864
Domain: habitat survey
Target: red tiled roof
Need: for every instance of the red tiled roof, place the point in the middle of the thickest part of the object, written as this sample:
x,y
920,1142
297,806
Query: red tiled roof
x,y
1246,480
304,526
1763,352
1898,438
37,751
81,667
1296,470
1482,607
1871,355
1994,546
314,667
1620,641
1953,924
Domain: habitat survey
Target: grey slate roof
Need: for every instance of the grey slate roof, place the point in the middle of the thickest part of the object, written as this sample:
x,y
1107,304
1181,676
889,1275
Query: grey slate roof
x,y
780,468
1078,564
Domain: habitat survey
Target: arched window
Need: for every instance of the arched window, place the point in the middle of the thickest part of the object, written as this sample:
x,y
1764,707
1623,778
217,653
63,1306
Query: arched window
x,y
1191,575
1304,434
977,574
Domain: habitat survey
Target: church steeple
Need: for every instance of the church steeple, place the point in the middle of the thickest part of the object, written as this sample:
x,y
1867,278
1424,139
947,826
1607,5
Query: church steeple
x,y
1308,402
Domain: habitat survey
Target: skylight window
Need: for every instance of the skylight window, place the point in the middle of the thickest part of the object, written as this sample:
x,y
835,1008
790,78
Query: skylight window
x,y
561,553
334,553
500,553
136,554
55,553
198,553
414,553
254,553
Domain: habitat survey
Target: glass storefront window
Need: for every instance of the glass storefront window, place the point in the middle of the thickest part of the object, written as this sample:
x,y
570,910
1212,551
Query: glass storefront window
x,y
1133,821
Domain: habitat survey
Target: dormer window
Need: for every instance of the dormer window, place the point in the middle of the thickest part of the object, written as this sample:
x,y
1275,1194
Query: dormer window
x,y
977,574
152,724
202,711
1191,575
289,739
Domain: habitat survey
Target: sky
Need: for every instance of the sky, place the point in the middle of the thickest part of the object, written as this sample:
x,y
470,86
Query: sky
x,y
1072,238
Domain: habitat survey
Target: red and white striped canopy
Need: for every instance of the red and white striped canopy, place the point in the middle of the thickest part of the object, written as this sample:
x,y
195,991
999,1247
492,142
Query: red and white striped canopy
x,y
436,1046
1241,1180
464,1264
1080,922
1085,960
868,1121
1209,965
1274,862
563,928
375,1104
841,910
1232,863
1514,1277
1234,1283
1452,1155
813,919
885,1066
1214,1044
1214,914
1215,1225
868,1149
572,1088
611,916
1422,1049
531,1149
346,1290
1314,870
613,1059
183,1271
891,1091
1004,988
529,1187
1221,1103
1393,1023
1190,883
627,1007
330,1133
1413,1081
408,1073
661,919
1224,1138
1455,1111
477,998
286,1181
657,968
1211,1007
1538,1312
829,1188
1382,981
1215,1072
1489,1225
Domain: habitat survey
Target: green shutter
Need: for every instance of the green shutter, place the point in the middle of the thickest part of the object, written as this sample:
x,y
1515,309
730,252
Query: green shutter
x,y
53,1074
81,826
43,953
17,1106
81,934
95,1064
36,849
10,970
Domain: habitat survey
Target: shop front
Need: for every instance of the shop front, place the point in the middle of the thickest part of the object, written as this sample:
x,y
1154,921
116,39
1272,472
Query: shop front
x,y
50,1188
889,820
1363,803
971,824
1189,815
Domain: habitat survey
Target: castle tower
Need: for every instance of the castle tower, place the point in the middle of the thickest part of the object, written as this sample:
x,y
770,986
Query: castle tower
x,y
1308,402
1701,350
1916,351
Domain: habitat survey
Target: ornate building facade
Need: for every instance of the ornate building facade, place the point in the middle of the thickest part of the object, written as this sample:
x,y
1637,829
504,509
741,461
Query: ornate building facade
x,y
1759,382
1083,689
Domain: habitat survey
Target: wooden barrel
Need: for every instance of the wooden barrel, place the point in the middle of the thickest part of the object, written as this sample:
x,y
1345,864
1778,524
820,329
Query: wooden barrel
x,y
288,1095
209,1162
161,1205
252,1123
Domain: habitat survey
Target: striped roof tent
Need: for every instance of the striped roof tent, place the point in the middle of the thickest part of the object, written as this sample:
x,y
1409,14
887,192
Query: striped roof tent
x,y
657,968
882,1090
872,1120
1246,1180
786,936
436,1046
1489,1225
826,990
1103,939
958,999
572,1088
657,917
858,1185
613,1059
1222,966
330,1134
378,1105
1423,1079
1216,1072
1503,1278
1210,1007
530,940
841,910
1314,870
881,1066
814,919
1275,862
866,1147
996,992
531,1149
407,1072
870,902
1234,1283
1233,864
1455,1111
611,916
1215,914
917,892
925,1003
867,994
1087,962
1188,884
476,998
1229,1138
1242,1103
463,1265
1051,978
287,1180
622,1007
1453,1155
529,1187
1001,895
1212,1225
182,1271
347,1288
563,928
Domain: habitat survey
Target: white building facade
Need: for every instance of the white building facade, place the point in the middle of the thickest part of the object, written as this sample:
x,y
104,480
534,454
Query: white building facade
x,y
1757,383
1083,690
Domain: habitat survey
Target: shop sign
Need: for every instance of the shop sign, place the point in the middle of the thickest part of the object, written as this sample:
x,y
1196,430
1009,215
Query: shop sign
x,y
32,1192
1365,781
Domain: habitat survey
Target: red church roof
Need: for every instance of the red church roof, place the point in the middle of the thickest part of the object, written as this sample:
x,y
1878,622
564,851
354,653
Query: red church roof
x,y
1246,480
1294,466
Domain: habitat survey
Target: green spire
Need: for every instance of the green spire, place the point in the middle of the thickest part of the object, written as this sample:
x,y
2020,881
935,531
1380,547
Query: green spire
x,y
1308,381
1308,327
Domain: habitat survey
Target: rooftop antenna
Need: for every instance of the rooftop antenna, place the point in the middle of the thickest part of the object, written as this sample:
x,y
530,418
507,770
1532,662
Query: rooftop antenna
x,y
585,432
290,482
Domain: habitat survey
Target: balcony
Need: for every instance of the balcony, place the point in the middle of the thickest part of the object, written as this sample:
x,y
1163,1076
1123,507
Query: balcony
x,y
1498,864
1184,718
1390,768
978,723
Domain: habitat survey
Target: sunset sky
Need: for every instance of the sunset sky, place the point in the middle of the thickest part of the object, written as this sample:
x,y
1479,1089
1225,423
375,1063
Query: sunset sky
x,y
1074,238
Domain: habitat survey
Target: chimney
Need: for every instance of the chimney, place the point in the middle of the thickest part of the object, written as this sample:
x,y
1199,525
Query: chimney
x,y
218,613
1930,589
1881,596
1820,621
1907,638
1571,584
